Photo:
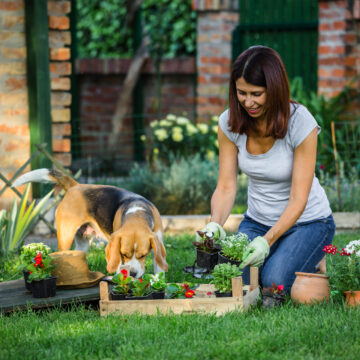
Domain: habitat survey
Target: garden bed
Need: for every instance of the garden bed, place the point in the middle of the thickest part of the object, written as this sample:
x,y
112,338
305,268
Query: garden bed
x,y
243,297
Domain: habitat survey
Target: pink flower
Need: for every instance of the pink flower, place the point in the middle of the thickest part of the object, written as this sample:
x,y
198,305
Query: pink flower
x,y
280,288
209,293
322,167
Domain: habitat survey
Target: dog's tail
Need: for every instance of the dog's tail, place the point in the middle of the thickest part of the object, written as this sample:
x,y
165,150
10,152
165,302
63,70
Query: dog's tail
x,y
46,176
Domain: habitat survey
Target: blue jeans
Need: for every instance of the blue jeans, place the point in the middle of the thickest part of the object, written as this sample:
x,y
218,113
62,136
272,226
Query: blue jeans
x,y
298,249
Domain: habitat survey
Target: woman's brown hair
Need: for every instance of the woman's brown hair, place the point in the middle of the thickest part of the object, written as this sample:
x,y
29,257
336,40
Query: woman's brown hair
x,y
261,66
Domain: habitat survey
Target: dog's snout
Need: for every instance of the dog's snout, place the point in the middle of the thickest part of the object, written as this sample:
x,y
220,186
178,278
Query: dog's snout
x,y
133,274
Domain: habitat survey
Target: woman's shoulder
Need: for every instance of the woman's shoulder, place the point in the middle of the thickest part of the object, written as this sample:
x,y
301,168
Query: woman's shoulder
x,y
224,125
301,123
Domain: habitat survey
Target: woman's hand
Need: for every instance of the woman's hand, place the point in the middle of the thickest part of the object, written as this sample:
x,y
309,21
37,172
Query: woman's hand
x,y
256,252
216,229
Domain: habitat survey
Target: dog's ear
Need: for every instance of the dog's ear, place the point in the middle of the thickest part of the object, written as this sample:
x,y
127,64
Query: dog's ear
x,y
159,252
112,252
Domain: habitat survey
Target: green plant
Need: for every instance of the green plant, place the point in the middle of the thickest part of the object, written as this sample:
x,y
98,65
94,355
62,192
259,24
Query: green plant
x,y
343,267
41,267
140,287
123,282
222,275
102,30
16,225
208,242
29,252
233,246
157,281
178,136
180,291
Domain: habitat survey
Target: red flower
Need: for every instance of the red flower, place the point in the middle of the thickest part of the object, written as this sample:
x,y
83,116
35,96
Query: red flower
x,y
36,265
209,293
322,167
125,277
330,249
344,252
185,286
42,265
124,272
140,280
280,288
189,293
38,258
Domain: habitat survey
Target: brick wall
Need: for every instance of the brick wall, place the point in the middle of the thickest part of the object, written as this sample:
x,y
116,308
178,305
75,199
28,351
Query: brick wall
x,y
60,71
99,84
14,128
339,46
14,122
216,21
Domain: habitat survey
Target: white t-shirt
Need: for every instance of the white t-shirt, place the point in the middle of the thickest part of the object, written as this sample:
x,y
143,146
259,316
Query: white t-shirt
x,y
270,173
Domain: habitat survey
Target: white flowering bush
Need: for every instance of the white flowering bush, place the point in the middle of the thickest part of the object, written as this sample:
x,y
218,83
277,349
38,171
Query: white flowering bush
x,y
233,246
179,136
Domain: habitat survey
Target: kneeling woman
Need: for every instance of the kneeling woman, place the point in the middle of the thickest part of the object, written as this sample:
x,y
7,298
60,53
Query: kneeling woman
x,y
273,140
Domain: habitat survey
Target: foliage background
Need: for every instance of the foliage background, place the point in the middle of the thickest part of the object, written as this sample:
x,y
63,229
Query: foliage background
x,y
102,31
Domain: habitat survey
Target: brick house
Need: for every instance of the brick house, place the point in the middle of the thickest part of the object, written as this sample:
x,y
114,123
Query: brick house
x,y
196,85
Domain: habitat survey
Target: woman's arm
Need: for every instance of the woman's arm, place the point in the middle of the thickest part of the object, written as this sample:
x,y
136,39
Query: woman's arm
x,y
224,195
302,178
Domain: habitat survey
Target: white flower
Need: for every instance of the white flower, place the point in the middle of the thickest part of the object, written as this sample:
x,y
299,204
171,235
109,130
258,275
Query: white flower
x,y
191,129
171,117
177,136
154,123
216,143
203,128
156,151
182,120
210,154
353,247
215,118
215,129
164,123
161,134
143,138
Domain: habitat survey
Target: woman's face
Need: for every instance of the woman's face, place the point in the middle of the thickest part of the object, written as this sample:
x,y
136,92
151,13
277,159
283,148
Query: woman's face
x,y
251,97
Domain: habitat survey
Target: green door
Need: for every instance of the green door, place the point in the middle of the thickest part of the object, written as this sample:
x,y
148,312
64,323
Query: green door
x,y
288,26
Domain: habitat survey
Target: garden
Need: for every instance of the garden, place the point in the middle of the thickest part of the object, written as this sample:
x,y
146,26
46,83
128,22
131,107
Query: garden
x,y
179,173
322,331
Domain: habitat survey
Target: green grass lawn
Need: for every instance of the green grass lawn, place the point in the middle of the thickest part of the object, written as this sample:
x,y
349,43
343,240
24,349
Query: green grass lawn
x,y
325,331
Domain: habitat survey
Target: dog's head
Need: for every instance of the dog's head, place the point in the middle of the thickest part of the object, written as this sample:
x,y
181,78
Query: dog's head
x,y
131,248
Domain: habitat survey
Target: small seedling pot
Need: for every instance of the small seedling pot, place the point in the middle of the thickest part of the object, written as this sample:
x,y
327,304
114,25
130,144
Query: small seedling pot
x,y
223,294
28,285
147,297
44,288
158,294
245,271
205,259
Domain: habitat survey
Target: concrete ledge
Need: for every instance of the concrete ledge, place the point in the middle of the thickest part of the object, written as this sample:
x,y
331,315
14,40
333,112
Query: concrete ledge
x,y
174,224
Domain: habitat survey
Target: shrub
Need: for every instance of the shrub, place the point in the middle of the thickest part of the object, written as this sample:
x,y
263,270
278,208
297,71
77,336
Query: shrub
x,y
178,136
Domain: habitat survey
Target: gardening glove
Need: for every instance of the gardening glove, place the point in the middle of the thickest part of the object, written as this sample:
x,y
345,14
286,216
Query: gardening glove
x,y
256,252
216,229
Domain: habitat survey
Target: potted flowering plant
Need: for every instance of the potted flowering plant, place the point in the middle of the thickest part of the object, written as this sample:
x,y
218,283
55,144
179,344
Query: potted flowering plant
x,y
222,275
273,296
157,285
180,291
43,284
233,252
123,285
27,255
140,290
343,268
206,250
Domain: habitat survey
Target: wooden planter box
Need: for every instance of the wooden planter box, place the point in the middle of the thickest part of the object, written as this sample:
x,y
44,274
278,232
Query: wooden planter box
x,y
202,303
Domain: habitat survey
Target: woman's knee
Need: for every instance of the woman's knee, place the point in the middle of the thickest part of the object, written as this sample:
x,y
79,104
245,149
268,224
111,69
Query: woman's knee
x,y
278,277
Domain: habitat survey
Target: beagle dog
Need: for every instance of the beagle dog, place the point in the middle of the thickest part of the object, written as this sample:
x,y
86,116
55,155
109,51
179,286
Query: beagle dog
x,y
131,224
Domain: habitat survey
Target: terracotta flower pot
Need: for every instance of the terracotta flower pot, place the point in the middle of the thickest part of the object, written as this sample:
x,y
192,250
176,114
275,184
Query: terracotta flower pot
x,y
310,288
352,298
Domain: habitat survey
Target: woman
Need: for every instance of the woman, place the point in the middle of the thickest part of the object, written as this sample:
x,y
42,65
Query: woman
x,y
273,140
